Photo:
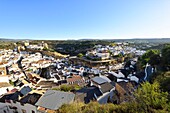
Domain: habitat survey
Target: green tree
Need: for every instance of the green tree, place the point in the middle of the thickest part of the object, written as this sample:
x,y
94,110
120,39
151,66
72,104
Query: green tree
x,y
80,55
149,96
166,55
155,59
112,44
164,79
151,56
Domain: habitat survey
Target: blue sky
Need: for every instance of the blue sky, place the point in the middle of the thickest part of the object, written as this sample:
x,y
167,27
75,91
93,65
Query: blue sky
x,y
80,19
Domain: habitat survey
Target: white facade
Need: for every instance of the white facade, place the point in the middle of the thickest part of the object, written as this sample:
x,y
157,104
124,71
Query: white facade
x,y
4,79
103,55
104,98
3,90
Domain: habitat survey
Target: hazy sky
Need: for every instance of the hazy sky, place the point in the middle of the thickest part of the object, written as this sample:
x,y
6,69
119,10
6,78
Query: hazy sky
x,y
79,19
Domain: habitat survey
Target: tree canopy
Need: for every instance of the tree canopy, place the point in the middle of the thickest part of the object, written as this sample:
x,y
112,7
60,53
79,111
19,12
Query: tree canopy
x,y
150,95
166,55
80,55
151,56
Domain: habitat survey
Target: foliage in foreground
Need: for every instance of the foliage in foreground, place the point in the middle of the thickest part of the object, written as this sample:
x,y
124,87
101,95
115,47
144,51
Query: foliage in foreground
x,y
164,79
148,99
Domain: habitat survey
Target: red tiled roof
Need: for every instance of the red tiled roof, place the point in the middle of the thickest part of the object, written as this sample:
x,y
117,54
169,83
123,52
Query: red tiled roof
x,y
74,78
12,91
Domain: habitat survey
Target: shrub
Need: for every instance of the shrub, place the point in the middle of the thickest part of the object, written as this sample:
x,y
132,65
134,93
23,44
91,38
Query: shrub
x,y
67,88
80,55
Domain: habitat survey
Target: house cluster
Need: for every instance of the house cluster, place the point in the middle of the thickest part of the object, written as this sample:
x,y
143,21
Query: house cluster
x,y
40,46
105,52
28,80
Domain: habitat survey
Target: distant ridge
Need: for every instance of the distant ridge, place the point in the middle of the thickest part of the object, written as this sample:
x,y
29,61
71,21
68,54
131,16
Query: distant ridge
x,y
165,40
6,39
128,39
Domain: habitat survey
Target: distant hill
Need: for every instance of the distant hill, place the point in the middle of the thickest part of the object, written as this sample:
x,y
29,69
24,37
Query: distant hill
x,y
12,40
148,40
135,40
